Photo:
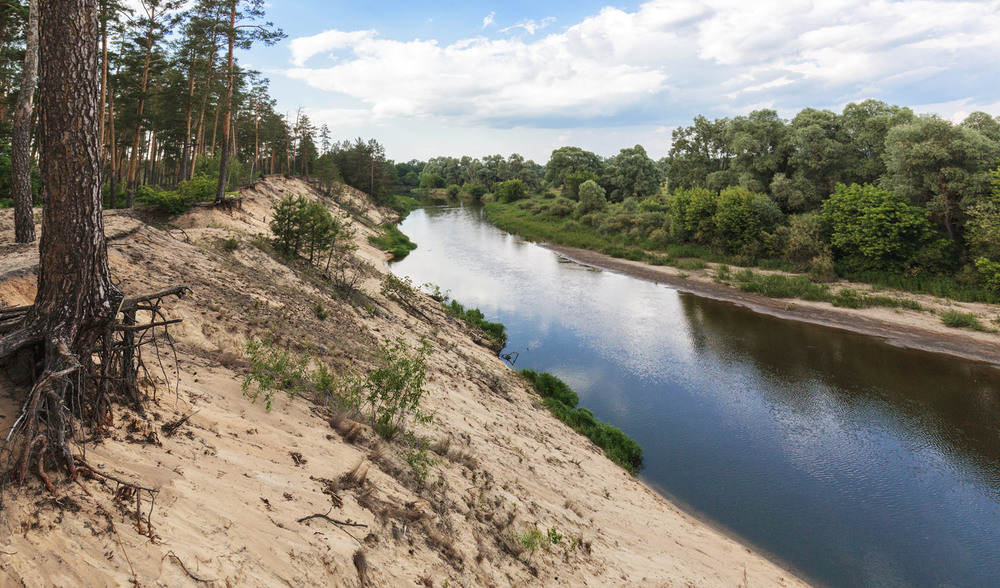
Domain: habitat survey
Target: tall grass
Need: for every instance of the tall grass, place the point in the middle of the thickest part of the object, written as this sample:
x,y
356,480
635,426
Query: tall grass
x,y
935,285
394,241
962,320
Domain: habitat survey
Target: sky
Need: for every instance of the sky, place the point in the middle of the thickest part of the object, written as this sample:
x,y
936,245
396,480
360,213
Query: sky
x,y
478,77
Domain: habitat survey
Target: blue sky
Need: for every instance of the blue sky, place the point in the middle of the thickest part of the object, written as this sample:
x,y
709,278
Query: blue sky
x,y
476,78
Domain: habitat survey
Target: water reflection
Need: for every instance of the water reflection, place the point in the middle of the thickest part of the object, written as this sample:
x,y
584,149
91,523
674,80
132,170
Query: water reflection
x,y
859,463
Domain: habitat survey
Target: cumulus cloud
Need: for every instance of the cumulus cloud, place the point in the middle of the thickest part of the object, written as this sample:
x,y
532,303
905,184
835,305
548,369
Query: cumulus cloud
x,y
672,56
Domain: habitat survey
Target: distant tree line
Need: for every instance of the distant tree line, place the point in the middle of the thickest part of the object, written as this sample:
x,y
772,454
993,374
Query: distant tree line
x,y
875,189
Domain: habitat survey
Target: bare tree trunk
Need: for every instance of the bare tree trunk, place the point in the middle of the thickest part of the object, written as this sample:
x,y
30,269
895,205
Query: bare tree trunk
x,y
24,216
186,150
220,191
113,158
133,165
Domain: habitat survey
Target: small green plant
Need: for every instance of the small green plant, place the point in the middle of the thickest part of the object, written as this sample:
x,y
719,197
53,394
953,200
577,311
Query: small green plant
x,y
722,274
690,264
962,320
495,332
231,244
531,540
320,312
420,460
554,536
391,394
274,368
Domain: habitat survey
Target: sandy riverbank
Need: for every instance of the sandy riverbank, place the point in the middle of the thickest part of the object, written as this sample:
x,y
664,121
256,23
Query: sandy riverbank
x,y
235,484
906,328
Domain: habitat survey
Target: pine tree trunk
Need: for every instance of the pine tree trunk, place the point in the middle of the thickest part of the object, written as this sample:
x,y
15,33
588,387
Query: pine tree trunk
x,y
24,216
75,292
220,191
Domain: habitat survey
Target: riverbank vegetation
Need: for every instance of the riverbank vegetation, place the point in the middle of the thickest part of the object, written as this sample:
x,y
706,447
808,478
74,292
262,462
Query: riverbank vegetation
x,y
876,194
562,402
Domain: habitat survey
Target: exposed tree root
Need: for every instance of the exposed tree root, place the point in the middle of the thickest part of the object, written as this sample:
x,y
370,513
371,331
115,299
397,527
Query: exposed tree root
x,y
76,392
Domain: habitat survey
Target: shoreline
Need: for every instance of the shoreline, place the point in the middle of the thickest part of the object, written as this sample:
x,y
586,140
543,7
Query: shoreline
x,y
920,330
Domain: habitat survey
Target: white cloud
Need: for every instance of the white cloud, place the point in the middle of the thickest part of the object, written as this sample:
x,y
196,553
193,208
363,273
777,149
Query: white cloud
x,y
530,26
305,47
672,58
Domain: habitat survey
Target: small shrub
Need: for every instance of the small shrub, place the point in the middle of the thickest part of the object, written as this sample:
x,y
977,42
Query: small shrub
x,y
962,320
391,394
320,312
274,368
231,244
531,540
495,332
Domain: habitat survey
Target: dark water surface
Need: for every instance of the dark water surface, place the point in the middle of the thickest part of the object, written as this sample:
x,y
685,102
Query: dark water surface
x,y
854,462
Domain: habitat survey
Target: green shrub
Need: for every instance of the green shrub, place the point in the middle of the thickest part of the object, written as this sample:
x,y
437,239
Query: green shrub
x,y
391,394
495,332
453,190
962,320
230,244
510,191
273,369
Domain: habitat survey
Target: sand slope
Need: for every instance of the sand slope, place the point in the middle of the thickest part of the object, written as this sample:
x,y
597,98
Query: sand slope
x,y
234,481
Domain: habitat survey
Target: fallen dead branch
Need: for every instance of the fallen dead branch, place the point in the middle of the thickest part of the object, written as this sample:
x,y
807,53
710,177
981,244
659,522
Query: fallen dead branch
x,y
190,574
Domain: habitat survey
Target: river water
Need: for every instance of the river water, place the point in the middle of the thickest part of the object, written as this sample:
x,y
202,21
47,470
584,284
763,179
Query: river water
x,y
850,461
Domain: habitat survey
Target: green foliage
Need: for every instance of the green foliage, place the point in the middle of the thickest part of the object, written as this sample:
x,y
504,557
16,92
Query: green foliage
x,y
962,320
562,402
391,393
430,182
495,332
692,214
780,285
273,369
510,191
575,179
320,312
531,540
305,227
742,217
873,229
591,198
201,188
850,298
394,241
453,191
231,244
632,174
419,460
475,191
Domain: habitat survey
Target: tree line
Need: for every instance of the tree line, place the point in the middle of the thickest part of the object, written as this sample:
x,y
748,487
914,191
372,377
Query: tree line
x,y
175,106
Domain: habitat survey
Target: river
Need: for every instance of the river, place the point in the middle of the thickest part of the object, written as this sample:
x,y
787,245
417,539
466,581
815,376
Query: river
x,y
851,461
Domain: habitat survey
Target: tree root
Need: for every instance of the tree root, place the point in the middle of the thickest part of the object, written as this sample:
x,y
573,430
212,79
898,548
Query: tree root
x,y
76,392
